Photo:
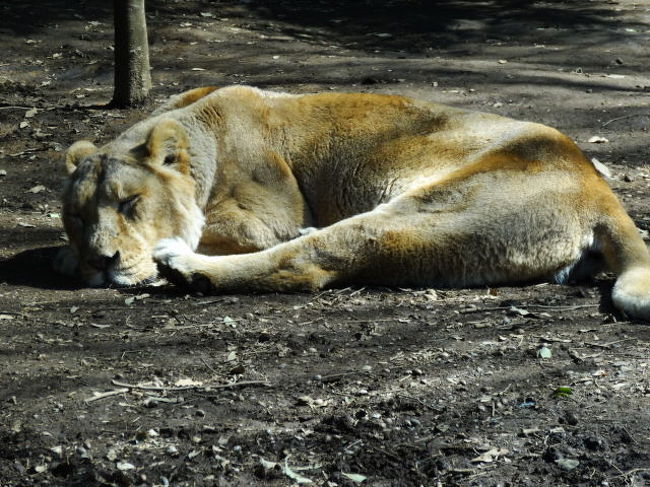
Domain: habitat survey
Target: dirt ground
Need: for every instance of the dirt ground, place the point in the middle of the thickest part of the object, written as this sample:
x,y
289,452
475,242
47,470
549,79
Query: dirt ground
x,y
528,386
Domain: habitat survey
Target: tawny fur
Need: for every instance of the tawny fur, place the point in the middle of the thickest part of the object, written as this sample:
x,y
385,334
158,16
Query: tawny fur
x,y
400,191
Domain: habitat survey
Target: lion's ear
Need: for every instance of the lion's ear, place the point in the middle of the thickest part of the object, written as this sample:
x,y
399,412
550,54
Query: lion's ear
x,y
76,153
167,144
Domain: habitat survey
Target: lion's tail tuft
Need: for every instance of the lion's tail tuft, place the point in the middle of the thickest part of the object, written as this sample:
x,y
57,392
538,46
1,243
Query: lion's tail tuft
x,y
627,255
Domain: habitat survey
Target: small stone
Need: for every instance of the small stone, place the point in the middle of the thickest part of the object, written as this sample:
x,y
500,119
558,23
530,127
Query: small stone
x,y
82,452
304,401
240,369
594,443
57,450
570,418
567,464
598,139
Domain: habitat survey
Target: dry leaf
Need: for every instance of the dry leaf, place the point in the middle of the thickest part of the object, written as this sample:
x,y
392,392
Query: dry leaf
x,y
37,189
597,139
354,477
490,455
601,168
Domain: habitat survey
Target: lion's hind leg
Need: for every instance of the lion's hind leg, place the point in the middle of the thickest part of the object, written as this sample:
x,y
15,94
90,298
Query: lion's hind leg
x,y
463,233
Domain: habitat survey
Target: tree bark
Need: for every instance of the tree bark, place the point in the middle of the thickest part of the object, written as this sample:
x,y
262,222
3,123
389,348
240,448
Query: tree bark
x,y
132,77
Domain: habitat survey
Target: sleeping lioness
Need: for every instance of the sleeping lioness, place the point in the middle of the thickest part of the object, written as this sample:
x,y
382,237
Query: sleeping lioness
x,y
238,189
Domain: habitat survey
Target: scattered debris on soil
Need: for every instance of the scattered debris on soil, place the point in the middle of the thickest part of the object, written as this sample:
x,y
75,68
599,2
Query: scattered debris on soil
x,y
527,386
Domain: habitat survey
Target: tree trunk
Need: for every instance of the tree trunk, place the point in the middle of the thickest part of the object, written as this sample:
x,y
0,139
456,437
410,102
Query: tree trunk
x,y
132,77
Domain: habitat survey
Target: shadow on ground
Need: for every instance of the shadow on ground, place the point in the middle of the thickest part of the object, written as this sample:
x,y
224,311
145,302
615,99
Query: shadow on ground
x,y
33,268
410,25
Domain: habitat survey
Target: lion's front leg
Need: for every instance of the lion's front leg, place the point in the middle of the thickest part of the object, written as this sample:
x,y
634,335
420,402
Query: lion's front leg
x,y
373,247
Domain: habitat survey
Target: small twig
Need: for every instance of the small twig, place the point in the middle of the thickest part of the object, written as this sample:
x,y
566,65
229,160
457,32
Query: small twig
x,y
210,301
350,445
562,307
550,340
557,307
205,362
479,474
412,398
609,345
104,395
310,322
334,377
360,290
341,291
16,154
581,358
628,473
15,107
132,351
504,391
390,455
383,320
624,117
205,388
630,434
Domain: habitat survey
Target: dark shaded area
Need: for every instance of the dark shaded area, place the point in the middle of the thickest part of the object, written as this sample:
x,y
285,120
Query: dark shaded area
x,y
24,18
33,268
410,25
416,25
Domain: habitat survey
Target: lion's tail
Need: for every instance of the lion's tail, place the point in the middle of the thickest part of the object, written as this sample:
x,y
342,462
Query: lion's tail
x,y
627,255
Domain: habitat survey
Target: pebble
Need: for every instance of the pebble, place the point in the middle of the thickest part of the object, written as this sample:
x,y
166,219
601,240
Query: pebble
x,y
567,464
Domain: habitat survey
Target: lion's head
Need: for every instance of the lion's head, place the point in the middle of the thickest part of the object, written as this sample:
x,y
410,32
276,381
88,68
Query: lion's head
x,y
122,198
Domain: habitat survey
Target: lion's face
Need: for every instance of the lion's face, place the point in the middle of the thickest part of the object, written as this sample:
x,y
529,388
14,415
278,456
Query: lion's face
x,y
120,200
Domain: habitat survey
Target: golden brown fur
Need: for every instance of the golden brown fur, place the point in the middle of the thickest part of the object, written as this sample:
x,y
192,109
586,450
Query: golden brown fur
x,y
298,192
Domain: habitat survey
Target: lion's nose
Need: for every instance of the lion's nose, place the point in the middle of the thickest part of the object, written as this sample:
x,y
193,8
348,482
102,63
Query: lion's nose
x,y
103,262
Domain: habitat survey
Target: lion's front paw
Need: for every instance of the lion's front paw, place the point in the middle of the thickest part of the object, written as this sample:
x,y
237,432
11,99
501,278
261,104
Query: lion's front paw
x,y
177,262
172,252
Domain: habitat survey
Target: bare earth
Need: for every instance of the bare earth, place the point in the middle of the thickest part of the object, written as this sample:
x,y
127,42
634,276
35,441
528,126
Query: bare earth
x,y
149,386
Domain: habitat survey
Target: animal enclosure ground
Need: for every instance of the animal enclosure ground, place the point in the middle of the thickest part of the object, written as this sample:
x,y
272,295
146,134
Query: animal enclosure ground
x,y
521,386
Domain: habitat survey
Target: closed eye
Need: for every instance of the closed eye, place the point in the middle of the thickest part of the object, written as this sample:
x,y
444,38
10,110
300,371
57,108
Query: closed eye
x,y
127,205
